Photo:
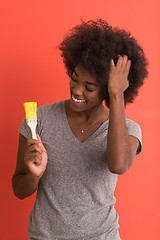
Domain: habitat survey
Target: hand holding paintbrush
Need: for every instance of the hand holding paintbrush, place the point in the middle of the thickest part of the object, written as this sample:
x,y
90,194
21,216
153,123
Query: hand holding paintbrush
x,y
32,157
35,155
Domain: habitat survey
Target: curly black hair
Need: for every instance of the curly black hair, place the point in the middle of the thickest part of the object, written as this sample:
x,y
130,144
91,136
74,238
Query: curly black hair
x,y
93,44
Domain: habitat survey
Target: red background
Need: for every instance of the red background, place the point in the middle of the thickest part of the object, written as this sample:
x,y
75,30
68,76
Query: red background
x,y
31,70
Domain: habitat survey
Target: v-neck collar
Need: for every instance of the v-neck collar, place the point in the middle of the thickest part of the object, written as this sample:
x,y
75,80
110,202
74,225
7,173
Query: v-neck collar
x,y
70,130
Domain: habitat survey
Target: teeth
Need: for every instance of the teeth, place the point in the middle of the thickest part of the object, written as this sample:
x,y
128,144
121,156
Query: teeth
x,y
78,101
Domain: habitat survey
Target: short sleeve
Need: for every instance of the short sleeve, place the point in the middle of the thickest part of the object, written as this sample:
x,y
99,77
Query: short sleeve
x,y
135,130
25,130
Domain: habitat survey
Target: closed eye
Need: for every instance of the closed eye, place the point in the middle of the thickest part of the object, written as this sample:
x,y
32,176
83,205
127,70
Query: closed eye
x,y
89,90
74,80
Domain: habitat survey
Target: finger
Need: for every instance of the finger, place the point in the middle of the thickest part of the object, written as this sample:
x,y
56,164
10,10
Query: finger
x,y
39,139
124,61
128,65
33,157
127,85
40,143
119,62
35,148
31,141
112,63
37,161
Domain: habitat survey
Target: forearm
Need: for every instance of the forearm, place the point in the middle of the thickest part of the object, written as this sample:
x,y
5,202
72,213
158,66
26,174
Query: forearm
x,y
24,185
118,148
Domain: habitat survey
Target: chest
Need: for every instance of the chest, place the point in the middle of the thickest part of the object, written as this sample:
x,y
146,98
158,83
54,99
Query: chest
x,y
82,131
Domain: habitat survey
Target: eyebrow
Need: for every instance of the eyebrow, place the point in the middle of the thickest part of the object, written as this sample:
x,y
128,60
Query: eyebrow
x,y
94,84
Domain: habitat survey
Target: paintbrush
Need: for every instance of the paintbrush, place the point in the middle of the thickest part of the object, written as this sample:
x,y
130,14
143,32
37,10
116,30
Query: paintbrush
x,y
31,117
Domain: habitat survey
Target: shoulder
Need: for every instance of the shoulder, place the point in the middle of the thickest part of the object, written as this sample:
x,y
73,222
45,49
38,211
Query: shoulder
x,y
49,116
135,130
50,106
132,125
48,109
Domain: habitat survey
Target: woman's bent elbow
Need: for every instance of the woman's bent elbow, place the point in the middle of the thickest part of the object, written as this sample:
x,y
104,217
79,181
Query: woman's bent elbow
x,y
118,169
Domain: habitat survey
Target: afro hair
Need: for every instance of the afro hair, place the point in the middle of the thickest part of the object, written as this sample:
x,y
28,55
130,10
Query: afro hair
x,y
93,44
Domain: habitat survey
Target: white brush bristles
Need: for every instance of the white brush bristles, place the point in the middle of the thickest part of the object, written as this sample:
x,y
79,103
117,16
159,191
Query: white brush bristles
x,y
32,123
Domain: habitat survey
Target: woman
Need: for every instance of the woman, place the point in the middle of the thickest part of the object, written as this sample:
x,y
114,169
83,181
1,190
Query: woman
x,y
82,146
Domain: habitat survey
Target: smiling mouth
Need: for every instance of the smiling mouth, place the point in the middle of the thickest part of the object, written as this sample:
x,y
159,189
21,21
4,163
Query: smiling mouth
x,y
77,100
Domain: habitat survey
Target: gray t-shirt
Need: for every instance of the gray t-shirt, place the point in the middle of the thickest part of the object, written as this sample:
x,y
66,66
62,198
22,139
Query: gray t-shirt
x,y
75,198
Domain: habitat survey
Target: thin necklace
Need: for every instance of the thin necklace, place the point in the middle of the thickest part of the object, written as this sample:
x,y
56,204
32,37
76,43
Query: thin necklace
x,y
83,130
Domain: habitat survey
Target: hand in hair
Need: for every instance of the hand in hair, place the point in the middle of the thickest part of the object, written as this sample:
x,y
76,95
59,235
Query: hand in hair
x,y
118,76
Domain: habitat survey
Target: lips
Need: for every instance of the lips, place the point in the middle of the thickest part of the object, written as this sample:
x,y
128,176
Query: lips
x,y
78,100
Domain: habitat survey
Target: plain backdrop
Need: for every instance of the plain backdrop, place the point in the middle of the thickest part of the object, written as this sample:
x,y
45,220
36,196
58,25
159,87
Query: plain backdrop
x,y
31,69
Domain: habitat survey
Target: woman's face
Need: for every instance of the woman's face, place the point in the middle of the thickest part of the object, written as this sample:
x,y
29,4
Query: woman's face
x,y
85,91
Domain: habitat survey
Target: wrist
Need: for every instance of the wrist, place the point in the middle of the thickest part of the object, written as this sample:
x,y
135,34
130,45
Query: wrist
x,y
33,178
116,96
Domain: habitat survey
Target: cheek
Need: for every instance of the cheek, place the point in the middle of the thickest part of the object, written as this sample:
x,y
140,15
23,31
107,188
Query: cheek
x,y
70,85
96,97
99,96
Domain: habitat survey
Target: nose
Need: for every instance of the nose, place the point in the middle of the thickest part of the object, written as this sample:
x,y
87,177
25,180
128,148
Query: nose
x,y
78,90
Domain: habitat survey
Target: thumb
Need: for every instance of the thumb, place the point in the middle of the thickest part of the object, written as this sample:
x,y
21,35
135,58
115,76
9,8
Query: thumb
x,y
40,143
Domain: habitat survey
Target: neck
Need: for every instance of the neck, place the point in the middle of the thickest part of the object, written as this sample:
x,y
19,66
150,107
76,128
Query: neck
x,y
88,115
91,115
